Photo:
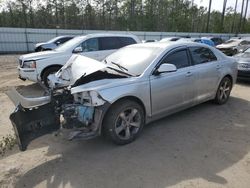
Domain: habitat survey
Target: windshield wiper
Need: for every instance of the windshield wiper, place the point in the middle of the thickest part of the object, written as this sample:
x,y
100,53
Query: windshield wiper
x,y
120,66
120,71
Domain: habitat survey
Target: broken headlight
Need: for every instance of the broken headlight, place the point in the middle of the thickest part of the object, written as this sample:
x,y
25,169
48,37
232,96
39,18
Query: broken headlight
x,y
89,98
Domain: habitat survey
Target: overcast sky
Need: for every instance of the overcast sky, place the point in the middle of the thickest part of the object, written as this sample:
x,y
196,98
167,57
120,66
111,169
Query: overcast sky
x,y
218,4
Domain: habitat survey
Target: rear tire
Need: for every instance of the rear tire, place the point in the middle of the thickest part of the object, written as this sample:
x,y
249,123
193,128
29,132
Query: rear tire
x,y
124,122
223,91
47,72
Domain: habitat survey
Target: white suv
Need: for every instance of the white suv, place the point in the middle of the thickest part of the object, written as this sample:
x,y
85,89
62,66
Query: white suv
x,y
38,66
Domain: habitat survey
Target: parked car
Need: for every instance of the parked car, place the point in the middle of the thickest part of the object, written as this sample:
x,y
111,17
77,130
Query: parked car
x,y
216,40
149,40
233,46
243,60
199,40
133,86
52,44
170,39
37,66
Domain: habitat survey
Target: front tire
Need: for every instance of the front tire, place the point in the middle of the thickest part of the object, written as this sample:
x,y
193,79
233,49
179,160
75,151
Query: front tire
x,y
223,91
124,122
47,72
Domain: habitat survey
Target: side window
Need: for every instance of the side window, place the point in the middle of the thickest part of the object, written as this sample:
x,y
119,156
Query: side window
x,y
244,42
197,40
124,41
90,45
63,40
178,58
202,55
109,43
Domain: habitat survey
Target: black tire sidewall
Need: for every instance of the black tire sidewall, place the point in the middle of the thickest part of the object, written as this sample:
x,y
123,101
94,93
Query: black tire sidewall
x,y
111,116
47,73
217,98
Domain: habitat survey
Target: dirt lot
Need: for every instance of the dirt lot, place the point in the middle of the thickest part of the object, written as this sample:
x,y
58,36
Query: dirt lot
x,y
205,146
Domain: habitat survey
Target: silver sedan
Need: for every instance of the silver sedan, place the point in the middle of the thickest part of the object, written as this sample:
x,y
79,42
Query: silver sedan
x,y
130,88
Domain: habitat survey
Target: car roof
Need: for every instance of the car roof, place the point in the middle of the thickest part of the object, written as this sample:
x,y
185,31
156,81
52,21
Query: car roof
x,y
106,35
168,45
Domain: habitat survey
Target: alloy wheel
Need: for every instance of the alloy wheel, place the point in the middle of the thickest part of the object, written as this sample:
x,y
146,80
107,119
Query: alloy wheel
x,y
128,123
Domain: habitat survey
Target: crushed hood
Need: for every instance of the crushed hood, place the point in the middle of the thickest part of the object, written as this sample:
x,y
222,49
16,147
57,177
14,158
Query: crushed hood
x,y
76,67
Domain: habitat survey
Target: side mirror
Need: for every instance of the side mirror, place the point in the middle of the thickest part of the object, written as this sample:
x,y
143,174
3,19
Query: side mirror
x,y
58,43
78,49
166,67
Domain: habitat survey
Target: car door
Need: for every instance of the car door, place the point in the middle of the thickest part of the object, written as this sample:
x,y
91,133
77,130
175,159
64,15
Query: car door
x,y
173,90
90,48
207,67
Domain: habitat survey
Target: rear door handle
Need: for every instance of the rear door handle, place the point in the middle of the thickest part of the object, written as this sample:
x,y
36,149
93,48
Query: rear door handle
x,y
188,74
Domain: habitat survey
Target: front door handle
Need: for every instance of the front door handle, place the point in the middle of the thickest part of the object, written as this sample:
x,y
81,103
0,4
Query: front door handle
x,y
188,74
218,66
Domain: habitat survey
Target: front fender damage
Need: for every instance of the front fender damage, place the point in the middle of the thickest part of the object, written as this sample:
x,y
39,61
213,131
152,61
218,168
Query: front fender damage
x,y
31,119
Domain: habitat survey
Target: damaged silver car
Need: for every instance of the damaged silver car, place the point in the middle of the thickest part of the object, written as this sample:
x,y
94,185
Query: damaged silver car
x,y
131,87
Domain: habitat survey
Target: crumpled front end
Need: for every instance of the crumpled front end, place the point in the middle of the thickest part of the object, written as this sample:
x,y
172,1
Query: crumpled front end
x,y
81,113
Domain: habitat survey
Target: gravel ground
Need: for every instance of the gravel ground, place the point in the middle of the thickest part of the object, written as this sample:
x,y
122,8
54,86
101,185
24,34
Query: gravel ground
x,y
205,146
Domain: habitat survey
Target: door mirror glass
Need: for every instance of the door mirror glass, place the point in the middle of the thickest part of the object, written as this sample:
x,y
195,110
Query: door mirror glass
x,y
166,67
78,49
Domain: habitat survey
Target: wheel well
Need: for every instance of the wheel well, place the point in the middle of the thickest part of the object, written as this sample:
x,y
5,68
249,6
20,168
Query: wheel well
x,y
135,99
45,69
230,77
132,98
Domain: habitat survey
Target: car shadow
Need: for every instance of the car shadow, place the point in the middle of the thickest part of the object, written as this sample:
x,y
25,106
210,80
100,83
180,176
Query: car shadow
x,y
199,142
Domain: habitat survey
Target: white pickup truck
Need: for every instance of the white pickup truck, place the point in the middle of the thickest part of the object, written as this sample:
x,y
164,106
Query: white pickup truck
x,y
38,66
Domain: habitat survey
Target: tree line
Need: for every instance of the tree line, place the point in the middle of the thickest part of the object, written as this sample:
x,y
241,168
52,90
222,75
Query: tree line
x,y
133,15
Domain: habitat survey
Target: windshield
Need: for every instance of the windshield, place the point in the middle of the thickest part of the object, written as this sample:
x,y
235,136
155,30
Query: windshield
x,y
70,45
53,40
133,60
247,50
230,41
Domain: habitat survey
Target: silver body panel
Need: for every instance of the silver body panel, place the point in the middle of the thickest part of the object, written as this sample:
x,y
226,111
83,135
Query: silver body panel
x,y
166,92
95,86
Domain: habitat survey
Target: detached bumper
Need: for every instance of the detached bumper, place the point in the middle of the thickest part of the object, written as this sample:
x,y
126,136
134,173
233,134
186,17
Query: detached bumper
x,y
35,117
31,124
27,102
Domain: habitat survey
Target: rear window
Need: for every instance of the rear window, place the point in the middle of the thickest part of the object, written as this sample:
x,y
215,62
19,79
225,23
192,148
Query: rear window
x,y
109,43
63,40
202,55
244,42
124,41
